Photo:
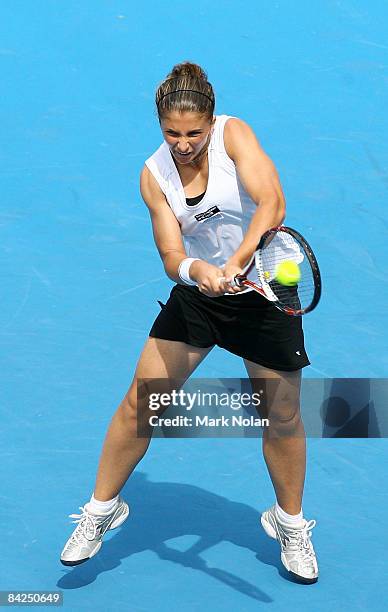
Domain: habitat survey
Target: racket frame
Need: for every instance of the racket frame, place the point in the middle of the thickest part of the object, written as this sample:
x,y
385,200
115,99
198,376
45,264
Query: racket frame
x,y
265,289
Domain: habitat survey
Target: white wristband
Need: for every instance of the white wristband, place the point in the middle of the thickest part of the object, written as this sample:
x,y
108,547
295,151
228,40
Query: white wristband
x,y
184,269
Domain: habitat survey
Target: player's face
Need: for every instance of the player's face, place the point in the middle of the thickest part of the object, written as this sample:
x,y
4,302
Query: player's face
x,y
186,134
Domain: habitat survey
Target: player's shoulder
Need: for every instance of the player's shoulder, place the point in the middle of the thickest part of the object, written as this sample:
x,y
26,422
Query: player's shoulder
x,y
145,177
237,133
236,128
145,173
149,187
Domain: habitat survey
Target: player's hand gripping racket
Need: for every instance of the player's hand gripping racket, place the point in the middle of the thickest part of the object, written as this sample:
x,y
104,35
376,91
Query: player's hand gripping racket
x,y
286,271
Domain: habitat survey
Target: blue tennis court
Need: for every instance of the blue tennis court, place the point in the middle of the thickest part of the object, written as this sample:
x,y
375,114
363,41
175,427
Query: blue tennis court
x,y
81,278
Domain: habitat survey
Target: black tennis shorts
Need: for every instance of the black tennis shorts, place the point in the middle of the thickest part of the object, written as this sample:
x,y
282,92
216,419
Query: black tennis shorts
x,y
247,325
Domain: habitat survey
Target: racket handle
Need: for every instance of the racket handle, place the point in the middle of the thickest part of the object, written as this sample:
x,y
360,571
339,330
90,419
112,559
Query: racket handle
x,y
235,282
238,281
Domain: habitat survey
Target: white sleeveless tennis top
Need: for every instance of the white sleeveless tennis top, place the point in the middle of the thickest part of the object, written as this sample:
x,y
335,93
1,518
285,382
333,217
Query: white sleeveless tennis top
x,y
213,229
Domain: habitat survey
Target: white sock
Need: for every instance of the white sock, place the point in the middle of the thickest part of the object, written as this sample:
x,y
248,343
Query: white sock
x,y
288,519
102,507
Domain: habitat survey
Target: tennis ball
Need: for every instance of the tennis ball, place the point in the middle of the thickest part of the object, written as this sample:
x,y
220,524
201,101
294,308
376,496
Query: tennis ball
x,y
287,273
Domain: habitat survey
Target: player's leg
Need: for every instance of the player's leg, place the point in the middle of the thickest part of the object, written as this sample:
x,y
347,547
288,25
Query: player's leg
x,y
284,447
169,360
123,448
284,444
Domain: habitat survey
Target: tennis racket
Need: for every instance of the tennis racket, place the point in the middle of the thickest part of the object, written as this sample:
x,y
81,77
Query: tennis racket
x,y
277,246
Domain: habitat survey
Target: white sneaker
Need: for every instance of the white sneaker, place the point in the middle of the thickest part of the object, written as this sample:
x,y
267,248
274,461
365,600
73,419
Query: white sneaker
x,y
86,539
297,551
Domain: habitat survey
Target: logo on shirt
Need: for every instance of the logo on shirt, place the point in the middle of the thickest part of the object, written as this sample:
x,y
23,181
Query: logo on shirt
x,y
211,214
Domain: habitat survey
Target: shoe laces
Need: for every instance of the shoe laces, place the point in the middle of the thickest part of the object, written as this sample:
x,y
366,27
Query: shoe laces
x,y
87,527
300,538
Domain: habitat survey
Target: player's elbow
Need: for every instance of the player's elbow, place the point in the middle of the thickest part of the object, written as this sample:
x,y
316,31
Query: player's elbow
x,y
273,201
280,212
278,206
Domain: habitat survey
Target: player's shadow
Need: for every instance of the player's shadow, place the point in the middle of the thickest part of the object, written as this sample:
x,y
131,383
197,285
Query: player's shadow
x,y
163,511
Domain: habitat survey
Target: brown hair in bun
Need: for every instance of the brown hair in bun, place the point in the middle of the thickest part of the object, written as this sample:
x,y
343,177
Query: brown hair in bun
x,y
185,89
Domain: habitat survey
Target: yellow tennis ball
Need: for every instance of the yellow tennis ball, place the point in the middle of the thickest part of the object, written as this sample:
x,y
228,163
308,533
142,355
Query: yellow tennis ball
x,y
287,273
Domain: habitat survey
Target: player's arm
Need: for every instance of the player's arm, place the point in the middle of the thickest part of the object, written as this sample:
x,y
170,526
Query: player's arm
x,y
168,239
261,181
165,227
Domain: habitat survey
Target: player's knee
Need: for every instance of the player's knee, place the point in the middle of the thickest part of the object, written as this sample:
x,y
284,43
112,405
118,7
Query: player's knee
x,y
128,408
138,405
285,419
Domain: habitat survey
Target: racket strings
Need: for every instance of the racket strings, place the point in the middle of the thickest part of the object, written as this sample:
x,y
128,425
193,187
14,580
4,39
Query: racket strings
x,y
279,248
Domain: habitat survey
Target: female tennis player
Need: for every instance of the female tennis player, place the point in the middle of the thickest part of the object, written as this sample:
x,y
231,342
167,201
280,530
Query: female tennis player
x,y
211,192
